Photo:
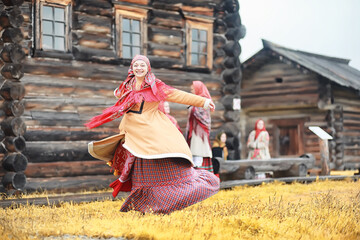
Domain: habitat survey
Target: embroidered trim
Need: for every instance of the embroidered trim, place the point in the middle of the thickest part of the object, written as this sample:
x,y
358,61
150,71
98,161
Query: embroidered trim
x,y
140,110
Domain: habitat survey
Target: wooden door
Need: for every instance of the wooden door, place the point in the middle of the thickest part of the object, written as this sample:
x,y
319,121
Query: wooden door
x,y
288,140
288,137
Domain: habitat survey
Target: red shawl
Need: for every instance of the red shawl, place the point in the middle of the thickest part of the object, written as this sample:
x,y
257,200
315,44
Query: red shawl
x,y
153,90
258,131
199,118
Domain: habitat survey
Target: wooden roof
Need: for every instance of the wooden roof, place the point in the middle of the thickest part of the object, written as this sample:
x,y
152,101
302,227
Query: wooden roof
x,y
335,69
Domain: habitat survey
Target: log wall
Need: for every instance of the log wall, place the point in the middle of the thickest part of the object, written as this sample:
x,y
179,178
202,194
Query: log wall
x,y
277,84
347,127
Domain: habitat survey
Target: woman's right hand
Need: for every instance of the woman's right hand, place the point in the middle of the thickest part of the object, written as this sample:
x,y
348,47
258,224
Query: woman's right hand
x,y
212,106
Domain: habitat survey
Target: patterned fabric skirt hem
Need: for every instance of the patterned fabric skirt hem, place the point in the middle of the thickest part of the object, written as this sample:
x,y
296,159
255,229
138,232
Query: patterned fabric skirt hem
x,y
207,164
167,185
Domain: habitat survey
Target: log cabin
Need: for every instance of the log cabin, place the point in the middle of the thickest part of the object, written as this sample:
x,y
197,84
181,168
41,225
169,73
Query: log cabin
x,y
292,90
72,54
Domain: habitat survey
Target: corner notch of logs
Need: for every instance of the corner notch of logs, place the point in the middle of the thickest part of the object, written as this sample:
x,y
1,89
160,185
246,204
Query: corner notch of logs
x,y
12,143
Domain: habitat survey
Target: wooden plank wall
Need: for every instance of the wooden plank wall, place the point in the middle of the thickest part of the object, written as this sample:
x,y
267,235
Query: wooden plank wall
x,y
62,93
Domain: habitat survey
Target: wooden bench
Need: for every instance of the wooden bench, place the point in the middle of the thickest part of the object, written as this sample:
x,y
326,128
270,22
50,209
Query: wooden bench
x,y
281,167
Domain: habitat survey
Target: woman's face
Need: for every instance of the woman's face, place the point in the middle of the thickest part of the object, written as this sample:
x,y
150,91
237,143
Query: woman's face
x,y
192,89
223,137
167,107
260,124
140,68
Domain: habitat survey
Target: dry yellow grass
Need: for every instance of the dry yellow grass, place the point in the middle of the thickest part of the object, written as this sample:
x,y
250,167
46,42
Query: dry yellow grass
x,y
321,210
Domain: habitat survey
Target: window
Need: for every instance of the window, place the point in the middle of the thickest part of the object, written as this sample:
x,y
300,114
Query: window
x,y
52,25
130,31
53,28
131,37
199,43
198,47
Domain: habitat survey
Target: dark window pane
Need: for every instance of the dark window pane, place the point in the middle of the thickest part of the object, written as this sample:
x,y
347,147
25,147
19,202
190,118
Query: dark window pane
x,y
47,27
59,14
194,59
203,47
126,52
136,26
202,60
194,47
47,13
126,24
59,43
59,29
47,42
203,35
194,34
136,50
136,39
126,38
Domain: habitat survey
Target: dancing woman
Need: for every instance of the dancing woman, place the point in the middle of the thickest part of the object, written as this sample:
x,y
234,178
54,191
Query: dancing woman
x,y
149,154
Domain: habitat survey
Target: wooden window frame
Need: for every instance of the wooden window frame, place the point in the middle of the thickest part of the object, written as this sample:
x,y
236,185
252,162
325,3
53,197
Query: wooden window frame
x,y
38,48
201,24
133,14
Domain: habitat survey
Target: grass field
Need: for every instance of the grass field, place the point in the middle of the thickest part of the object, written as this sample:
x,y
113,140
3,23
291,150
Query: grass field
x,y
320,210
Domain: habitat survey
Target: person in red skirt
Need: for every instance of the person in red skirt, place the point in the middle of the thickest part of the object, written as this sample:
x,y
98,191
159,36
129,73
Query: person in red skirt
x,y
198,130
149,154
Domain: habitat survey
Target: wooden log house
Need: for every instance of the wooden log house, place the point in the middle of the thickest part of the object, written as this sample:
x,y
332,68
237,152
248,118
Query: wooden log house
x,y
292,90
79,51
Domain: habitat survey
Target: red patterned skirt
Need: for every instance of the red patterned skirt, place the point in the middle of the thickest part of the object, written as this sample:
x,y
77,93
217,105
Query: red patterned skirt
x,y
207,164
166,185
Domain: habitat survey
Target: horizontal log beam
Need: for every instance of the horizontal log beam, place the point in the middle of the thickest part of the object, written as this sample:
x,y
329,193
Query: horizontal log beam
x,y
66,134
70,184
15,162
66,169
13,108
12,71
13,126
54,151
11,18
14,180
12,35
12,53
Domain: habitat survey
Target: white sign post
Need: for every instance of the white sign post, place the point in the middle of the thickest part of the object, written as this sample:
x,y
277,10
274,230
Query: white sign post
x,y
324,148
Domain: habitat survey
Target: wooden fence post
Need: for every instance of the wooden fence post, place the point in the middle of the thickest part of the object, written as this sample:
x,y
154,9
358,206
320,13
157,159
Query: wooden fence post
x,y
324,153
324,149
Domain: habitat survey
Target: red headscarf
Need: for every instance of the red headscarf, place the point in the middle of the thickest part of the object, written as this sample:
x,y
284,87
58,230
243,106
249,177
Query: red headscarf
x,y
199,118
201,89
153,90
258,131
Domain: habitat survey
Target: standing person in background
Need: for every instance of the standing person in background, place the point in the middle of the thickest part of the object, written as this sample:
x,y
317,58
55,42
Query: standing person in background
x,y
258,142
165,108
149,154
198,130
220,142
